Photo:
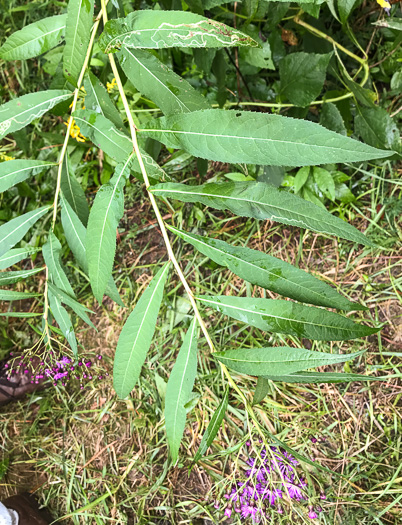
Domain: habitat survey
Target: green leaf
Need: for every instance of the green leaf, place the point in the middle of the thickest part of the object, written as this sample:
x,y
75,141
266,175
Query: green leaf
x,y
34,39
376,127
160,29
256,138
51,251
13,172
13,231
261,201
301,178
345,7
97,99
268,272
12,295
261,390
75,233
155,80
15,277
78,33
105,215
19,314
19,112
178,391
391,23
63,320
78,308
136,336
16,255
286,317
325,182
322,377
72,191
213,427
331,118
302,76
279,360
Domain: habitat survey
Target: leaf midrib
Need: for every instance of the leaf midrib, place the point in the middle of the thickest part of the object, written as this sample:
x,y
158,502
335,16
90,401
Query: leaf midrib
x,y
38,37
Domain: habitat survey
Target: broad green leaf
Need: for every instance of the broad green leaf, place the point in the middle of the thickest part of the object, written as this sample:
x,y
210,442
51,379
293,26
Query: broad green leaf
x,y
136,336
51,251
345,7
16,255
302,76
73,191
155,80
20,314
15,277
13,231
376,127
178,390
279,360
256,138
391,23
261,390
12,295
286,317
322,377
14,171
78,33
331,118
78,308
213,427
75,233
268,272
34,39
105,215
97,99
116,144
261,201
325,182
160,29
63,320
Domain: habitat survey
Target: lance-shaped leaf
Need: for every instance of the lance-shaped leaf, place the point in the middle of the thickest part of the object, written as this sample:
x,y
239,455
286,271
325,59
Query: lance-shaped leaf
x,y
13,231
20,314
280,360
75,233
63,320
261,390
115,143
97,99
16,255
15,277
34,39
105,215
14,171
73,191
213,427
322,377
12,295
78,33
178,390
51,251
262,201
257,138
78,308
19,112
155,80
160,29
136,336
286,317
268,272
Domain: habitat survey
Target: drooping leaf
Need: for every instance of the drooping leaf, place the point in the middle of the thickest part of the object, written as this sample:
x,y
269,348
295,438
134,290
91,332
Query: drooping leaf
x,y
268,272
16,255
78,33
15,277
155,80
73,191
160,29
105,215
331,118
261,390
97,99
277,361
286,317
19,112
213,427
345,7
256,138
78,308
179,389
51,251
75,233
12,295
376,127
34,39
13,172
13,231
63,320
391,23
136,336
261,201
322,377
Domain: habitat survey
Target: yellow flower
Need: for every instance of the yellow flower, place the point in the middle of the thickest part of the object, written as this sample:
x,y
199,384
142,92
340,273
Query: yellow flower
x,y
75,131
111,85
384,4
4,157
